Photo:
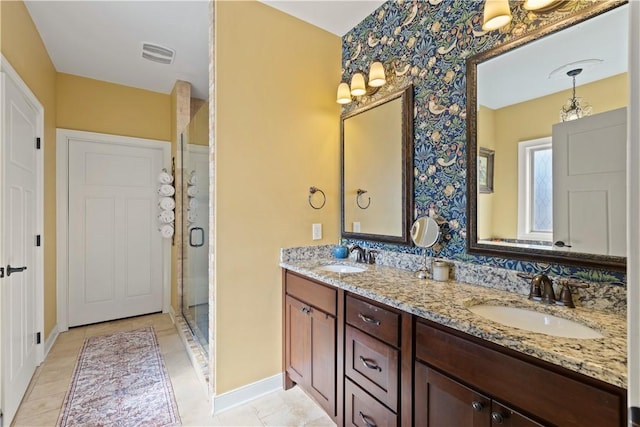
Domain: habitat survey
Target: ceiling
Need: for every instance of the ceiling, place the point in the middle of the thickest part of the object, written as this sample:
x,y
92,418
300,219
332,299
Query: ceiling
x,y
523,73
102,40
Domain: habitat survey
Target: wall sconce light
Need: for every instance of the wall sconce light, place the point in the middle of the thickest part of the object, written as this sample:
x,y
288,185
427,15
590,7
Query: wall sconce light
x,y
497,13
359,87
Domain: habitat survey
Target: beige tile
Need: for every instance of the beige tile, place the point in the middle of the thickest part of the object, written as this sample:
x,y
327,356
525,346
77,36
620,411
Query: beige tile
x,y
269,404
58,373
45,390
45,404
323,421
241,416
44,419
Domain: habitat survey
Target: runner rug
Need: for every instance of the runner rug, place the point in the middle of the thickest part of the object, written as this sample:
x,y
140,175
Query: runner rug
x,y
120,380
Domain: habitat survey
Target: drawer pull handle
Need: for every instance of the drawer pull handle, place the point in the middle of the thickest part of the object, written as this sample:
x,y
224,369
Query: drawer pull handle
x,y
369,364
368,319
367,421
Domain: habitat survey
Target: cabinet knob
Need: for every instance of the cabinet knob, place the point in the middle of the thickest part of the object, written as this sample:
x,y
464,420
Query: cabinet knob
x,y
477,406
497,417
305,310
367,421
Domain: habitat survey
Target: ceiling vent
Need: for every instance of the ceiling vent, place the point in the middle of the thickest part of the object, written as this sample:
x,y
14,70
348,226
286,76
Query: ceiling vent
x,y
157,53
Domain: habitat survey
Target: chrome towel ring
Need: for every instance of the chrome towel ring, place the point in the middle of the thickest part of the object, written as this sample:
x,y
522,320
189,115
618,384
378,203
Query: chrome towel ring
x,y
314,190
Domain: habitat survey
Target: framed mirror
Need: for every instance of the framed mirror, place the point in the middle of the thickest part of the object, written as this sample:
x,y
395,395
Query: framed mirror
x,y
515,94
377,159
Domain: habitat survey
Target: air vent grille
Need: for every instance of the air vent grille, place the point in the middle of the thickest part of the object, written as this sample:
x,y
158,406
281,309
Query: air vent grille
x,y
157,53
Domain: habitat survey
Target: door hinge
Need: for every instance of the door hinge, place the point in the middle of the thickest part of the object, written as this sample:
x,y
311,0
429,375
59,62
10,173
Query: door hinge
x,y
38,144
38,338
38,240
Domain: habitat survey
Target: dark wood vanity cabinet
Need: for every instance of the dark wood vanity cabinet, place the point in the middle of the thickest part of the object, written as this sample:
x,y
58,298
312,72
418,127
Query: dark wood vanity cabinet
x,y
376,355
310,344
442,401
464,381
368,364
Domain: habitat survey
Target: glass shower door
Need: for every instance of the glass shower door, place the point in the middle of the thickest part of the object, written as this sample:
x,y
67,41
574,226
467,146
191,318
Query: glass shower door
x,y
195,228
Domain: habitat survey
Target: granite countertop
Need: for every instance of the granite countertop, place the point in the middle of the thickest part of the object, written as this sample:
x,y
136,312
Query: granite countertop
x,y
446,303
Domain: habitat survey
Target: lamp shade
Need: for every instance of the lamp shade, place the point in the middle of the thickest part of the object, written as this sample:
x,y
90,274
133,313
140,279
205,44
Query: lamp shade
x,y
376,75
344,94
358,87
539,4
496,14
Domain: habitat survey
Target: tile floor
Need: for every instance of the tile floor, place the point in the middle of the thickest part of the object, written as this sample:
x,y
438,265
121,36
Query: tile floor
x,y
44,397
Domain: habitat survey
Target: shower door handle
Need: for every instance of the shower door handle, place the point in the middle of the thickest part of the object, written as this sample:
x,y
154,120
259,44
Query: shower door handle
x,y
192,233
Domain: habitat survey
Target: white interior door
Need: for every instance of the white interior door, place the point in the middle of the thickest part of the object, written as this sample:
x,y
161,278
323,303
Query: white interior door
x,y
20,258
589,190
115,250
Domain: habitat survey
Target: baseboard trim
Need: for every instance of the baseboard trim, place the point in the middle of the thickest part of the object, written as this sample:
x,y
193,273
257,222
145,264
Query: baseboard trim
x,y
231,399
53,336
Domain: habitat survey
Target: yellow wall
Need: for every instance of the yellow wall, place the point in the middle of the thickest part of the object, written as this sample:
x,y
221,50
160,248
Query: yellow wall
x,y
98,106
486,139
199,125
21,45
277,134
530,120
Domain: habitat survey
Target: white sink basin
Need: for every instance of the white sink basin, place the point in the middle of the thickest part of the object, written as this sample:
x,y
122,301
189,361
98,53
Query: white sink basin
x,y
534,321
343,268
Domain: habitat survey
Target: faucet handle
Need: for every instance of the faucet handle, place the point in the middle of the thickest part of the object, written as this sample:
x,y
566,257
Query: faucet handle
x,y
566,299
370,256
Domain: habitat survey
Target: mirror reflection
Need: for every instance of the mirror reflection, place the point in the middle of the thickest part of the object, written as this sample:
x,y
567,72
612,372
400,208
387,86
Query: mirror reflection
x,y
558,172
376,157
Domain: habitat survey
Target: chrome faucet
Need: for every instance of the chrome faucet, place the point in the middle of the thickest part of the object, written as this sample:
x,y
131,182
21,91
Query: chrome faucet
x,y
360,257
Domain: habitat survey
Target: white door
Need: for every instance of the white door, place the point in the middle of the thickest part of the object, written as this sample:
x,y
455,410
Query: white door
x,y
589,190
115,249
20,257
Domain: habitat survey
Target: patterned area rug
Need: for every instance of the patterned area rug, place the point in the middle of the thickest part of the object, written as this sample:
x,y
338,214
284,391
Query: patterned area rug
x,y
120,380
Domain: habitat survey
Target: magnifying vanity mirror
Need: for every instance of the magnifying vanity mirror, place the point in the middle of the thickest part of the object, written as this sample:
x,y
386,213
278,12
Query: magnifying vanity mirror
x,y
425,233
558,185
377,158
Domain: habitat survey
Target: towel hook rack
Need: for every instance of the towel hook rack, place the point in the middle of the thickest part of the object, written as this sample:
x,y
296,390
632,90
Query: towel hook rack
x,y
360,193
314,190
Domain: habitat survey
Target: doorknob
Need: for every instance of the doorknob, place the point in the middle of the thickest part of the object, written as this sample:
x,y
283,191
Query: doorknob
x,y
14,269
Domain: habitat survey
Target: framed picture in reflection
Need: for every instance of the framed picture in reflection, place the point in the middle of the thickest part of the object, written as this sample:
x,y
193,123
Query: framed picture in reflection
x,y
485,170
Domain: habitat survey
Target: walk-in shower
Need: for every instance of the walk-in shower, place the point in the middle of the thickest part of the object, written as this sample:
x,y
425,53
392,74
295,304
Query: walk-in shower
x,y
194,205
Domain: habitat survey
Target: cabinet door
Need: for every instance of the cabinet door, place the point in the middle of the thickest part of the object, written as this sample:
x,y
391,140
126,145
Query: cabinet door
x,y
322,342
297,334
503,416
443,402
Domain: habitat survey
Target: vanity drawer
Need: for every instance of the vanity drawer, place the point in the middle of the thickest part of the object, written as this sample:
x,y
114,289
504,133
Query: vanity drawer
x,y
380,322
373,365
552,393
313,293
362,410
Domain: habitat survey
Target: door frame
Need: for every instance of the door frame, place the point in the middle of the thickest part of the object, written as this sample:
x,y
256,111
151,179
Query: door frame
x,y
8,72
62,212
